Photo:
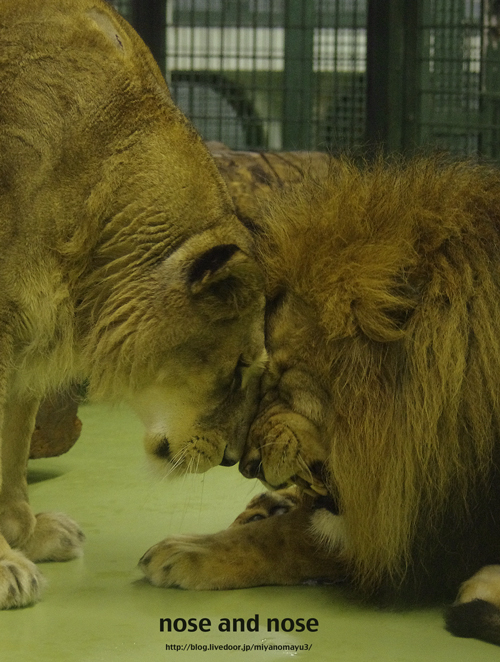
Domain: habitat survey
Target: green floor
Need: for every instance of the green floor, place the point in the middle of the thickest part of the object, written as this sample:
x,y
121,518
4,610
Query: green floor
x,y
98,608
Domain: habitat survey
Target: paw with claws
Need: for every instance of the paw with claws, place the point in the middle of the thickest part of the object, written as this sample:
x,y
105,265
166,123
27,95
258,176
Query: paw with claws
x,y
269,504
20,581
269,543
56,538
181,561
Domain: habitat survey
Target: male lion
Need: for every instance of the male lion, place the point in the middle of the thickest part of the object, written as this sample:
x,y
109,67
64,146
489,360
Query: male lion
x,y
381,399
121,261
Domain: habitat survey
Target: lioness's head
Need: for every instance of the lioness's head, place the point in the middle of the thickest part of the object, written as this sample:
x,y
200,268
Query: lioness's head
x,y
183,342
198,409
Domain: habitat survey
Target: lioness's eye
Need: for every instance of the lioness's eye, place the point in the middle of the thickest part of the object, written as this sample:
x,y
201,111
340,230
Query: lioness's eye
x,y
238,373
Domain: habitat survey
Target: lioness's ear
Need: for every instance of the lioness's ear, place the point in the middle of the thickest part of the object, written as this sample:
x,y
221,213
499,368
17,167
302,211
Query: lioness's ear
x,y
209,266
225,280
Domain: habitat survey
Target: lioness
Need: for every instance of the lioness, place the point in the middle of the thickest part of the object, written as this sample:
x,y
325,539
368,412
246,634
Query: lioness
x,y
121,261
381,399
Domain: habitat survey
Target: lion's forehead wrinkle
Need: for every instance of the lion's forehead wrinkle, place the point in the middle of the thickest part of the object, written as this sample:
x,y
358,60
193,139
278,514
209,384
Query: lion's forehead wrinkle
x,y
298,384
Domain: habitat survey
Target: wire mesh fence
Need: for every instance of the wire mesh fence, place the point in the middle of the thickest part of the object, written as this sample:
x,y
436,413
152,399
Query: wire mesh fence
x,y
269,73
295,74
460,82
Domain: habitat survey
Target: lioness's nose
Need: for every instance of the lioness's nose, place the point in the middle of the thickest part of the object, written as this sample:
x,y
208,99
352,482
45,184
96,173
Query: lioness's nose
x,y
163,449
227,462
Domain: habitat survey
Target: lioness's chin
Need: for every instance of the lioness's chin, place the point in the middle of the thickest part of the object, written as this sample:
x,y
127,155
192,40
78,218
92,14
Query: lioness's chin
x,y
161,469
196,455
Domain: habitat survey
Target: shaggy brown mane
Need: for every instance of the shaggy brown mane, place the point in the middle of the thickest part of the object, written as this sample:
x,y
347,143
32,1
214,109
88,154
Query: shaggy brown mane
x,y
402,266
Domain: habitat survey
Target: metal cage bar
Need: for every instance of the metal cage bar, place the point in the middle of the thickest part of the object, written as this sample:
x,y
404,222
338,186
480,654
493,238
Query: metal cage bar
x,y
392,74
298,73
149,19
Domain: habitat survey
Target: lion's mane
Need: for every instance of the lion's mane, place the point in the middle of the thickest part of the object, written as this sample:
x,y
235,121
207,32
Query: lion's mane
x,y
401,266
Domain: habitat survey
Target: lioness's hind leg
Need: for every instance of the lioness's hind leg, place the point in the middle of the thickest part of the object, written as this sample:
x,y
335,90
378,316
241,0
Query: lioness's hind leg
x,y
476,612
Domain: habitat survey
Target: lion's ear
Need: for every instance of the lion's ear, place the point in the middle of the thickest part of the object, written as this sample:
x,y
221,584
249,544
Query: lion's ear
x,y
224,279
383,314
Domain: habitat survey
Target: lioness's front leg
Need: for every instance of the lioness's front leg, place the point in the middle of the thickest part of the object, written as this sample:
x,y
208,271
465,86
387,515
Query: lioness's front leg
x,y
24,537
279,549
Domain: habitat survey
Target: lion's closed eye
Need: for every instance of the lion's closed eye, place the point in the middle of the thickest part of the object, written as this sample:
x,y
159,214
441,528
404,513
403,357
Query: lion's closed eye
x,y
238,373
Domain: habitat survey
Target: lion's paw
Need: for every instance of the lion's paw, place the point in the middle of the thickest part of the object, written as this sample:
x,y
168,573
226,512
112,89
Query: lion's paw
x,y
20,581
181,561
269,504
56,538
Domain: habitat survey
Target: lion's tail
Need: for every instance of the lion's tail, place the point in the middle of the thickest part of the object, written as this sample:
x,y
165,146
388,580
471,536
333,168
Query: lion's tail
x,y
478,619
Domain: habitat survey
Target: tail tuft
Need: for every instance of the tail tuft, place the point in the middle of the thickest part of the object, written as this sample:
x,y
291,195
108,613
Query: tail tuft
x,y
477,619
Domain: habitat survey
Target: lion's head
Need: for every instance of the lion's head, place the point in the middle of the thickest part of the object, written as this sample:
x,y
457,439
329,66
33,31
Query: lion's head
x,y
384,362
177,325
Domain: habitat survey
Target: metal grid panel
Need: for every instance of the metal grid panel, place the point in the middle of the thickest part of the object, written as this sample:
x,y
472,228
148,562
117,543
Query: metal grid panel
x,y
340,63
285,74
460,85
270,74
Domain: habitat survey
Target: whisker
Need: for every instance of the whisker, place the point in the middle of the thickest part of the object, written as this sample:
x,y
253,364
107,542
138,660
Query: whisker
x,y
176,461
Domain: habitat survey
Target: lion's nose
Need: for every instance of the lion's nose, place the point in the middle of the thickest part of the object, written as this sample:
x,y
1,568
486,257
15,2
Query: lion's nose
x,y
252,469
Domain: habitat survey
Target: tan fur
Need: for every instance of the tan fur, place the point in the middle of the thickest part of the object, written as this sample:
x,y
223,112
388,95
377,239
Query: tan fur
x,y
269,504
484,585
121,261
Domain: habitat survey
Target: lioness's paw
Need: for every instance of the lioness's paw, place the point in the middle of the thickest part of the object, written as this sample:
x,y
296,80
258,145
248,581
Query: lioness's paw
x,y
182,561
20,581
56,538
